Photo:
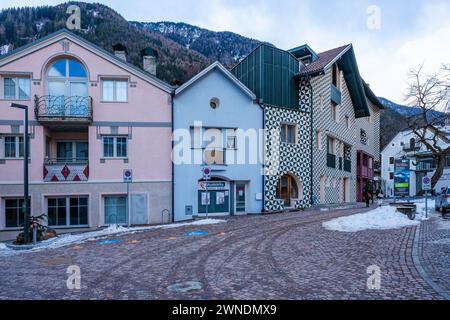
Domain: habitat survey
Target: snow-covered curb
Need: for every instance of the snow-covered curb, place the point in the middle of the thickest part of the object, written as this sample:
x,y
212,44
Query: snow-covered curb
x,y
383,218
68,239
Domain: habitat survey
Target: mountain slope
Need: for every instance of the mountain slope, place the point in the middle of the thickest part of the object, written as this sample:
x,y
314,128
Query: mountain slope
x,y
104,27
227,47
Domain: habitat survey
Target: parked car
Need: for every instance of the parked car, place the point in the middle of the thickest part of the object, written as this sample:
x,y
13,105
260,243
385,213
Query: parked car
x,y
443,201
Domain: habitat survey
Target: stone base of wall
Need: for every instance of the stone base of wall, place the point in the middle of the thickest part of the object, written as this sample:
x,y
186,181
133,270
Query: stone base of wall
x,y
159,198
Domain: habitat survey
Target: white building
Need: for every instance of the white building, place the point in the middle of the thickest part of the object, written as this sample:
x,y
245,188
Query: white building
x,y
404,145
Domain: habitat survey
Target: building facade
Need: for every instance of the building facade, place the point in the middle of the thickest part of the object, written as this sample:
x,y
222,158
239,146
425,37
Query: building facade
x,y
91,115
217,125
368,163
271,74
339,109
404,147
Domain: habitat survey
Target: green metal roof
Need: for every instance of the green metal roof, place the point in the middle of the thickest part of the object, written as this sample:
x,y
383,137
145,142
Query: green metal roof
x,y
270,73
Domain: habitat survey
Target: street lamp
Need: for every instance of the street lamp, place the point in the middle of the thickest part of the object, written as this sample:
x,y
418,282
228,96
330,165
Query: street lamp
x,y
26,206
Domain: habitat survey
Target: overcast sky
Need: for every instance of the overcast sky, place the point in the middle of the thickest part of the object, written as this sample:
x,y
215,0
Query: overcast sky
x,y
408,33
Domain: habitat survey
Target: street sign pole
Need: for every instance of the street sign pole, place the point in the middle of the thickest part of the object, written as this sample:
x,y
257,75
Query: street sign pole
x,y
207,176
128,179
426,186
128,204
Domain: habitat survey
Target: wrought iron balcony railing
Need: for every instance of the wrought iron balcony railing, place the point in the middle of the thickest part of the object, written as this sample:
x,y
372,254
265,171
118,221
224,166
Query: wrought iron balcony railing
x,y
62,108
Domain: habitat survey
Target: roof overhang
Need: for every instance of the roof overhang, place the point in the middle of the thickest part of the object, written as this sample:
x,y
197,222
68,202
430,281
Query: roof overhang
x,y
66,34
346,61
372,97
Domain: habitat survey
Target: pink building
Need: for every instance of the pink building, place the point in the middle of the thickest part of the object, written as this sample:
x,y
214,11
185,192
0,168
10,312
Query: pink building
x,y
92,116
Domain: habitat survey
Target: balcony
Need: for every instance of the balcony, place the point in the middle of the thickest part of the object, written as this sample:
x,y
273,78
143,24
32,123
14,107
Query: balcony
x,y
331,161
347,165
62,170
54,110
426,166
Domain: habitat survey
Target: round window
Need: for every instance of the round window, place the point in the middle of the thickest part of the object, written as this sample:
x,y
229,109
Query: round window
x,y
214,103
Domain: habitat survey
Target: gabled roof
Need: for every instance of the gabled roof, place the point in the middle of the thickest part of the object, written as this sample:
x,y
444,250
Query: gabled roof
x,y
66,34
216,65
345,57
324,60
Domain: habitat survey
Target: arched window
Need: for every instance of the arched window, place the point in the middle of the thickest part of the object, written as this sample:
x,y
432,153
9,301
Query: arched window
x,y
288,189
67,87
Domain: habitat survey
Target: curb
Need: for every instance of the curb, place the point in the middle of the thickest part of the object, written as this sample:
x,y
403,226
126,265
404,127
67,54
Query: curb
x,y
420,269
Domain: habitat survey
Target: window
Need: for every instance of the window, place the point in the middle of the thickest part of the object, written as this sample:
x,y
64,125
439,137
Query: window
x,y
17,88
336,76
72,151
347,122
67,211
14,215
115,147
391,160
115,210
288,133
447,162
319,139
391,175
231,142
363,138
333,110
13,147
331,145
115,90
214,157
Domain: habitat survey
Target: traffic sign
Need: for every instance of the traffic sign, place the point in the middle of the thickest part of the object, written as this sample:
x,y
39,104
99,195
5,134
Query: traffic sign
x,y
127,175
206,173
426,184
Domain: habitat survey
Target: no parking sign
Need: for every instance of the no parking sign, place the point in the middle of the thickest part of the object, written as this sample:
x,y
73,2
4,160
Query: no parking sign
x,y
426,184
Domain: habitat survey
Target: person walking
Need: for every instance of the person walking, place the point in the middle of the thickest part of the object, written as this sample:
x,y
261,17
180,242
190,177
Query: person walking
x,y
367,195
380,197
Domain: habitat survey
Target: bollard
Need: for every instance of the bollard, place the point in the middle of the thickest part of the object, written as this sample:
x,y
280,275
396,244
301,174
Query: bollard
x,y
34,232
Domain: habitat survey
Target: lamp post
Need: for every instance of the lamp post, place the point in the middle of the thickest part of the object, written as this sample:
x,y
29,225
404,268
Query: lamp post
x,y
26,207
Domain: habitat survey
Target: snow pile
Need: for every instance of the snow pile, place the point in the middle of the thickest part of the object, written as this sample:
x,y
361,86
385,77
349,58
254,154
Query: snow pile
x,y
382,218
68,239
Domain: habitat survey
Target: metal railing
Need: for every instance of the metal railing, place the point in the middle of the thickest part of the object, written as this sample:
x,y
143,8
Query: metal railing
x,y
63,108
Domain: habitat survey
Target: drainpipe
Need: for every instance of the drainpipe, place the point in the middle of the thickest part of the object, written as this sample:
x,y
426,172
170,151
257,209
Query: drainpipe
x,y
263,166
308,79
172,96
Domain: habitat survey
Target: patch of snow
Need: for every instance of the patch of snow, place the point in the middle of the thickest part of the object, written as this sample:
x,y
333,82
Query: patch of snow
x,y
68,239
382,218
4,49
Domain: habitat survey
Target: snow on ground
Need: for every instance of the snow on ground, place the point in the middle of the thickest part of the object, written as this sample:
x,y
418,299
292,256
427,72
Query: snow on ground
x,y
382,218
68,239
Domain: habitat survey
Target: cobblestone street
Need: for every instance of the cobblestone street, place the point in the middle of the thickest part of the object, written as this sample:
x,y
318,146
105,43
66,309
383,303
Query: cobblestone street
x,y
285,256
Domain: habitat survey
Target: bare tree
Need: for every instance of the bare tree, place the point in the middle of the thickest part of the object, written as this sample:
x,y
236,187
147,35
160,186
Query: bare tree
x,y
431,94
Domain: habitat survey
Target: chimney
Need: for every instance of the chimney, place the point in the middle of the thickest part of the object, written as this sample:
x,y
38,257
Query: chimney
x,y
149,60
120,51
